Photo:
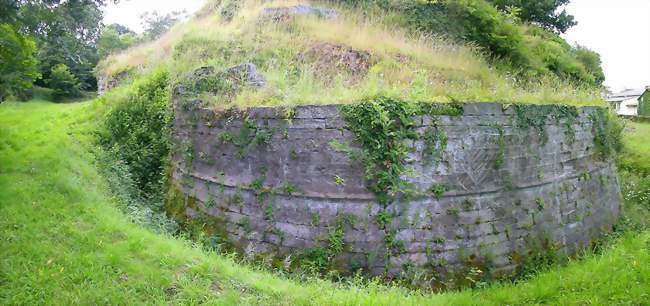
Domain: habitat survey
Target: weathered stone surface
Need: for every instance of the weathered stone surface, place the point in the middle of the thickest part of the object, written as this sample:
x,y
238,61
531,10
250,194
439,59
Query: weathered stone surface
x,y
287,194
247,74
106,82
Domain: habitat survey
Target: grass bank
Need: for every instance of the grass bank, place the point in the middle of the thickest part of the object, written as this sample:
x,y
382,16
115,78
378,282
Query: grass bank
x,y
64,241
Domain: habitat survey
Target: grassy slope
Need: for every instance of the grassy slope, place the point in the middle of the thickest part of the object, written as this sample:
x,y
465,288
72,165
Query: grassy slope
x,y
63,241
405,65
637,147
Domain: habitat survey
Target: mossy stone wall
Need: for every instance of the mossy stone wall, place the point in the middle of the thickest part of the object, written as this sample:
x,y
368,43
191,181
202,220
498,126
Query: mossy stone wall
x,y
283,181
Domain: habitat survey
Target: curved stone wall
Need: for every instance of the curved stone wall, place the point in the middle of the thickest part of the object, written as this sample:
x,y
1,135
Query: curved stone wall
x,y
269,184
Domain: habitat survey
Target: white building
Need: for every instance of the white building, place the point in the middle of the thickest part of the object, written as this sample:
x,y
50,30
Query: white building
x,y
627,101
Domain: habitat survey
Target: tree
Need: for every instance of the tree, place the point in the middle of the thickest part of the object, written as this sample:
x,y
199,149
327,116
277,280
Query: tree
x,y
156,25
545,13
18,64
592,62
115,38
66,32
63,82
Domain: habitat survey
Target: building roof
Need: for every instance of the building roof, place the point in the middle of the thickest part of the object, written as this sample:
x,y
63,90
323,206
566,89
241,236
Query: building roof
x,y
627,94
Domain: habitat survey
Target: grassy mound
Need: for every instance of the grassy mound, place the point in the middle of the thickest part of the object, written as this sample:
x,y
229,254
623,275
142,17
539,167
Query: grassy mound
x,y
63,240
311,59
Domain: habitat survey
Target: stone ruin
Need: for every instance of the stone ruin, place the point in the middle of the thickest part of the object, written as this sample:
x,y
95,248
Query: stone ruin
x,y
273,182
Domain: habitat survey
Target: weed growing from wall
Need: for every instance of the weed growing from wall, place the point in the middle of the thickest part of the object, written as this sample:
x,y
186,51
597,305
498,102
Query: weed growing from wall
x,y
608,133
537,116
384,126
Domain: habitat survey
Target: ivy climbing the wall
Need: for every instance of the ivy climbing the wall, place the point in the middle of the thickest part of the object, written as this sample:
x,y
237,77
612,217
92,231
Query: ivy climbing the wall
x,y
608,133
537,116
383,126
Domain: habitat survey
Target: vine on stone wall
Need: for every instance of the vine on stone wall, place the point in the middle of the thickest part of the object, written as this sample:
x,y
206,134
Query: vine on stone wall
x,y
608,133
384,127
536,116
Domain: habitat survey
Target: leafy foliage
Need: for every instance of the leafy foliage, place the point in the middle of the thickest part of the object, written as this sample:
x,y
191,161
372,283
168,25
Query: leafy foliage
x,y
155,24
545,13
136,130
608,133
63,82
381,125
115,38
65,32
537,117
527,50
18,65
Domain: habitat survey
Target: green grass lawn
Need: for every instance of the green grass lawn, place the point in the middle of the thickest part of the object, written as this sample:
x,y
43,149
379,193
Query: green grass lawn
x,y
63,241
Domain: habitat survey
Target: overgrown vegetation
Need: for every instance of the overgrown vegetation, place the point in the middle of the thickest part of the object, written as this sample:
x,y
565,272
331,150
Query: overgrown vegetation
x,y
608,130
391,56
63,83
57,217
537,118
136,130
18,64
523,49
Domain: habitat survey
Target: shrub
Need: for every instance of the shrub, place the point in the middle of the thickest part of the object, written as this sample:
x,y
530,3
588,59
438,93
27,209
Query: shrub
x,y
527,49
136,130
63,83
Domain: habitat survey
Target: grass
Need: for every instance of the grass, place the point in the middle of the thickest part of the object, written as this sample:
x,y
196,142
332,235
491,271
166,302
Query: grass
x,y
403,64
64,241
637,147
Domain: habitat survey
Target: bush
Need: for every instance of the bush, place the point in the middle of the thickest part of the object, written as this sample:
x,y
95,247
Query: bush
x,y
526,49
63,83
136,131
18,65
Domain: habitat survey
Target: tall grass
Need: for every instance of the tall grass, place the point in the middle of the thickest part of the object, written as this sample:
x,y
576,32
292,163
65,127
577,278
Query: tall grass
x,y
404,64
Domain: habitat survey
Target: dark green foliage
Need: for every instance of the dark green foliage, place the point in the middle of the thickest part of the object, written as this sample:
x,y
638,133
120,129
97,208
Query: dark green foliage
x,y
528,50
136,130
249,136
18,65
383,218
115,38
644,104
382,125
438,190
63,83
592,62
268,213
436,109
435,144
66,32
501,142
608,133
289,188
320,258
545,13
537,116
